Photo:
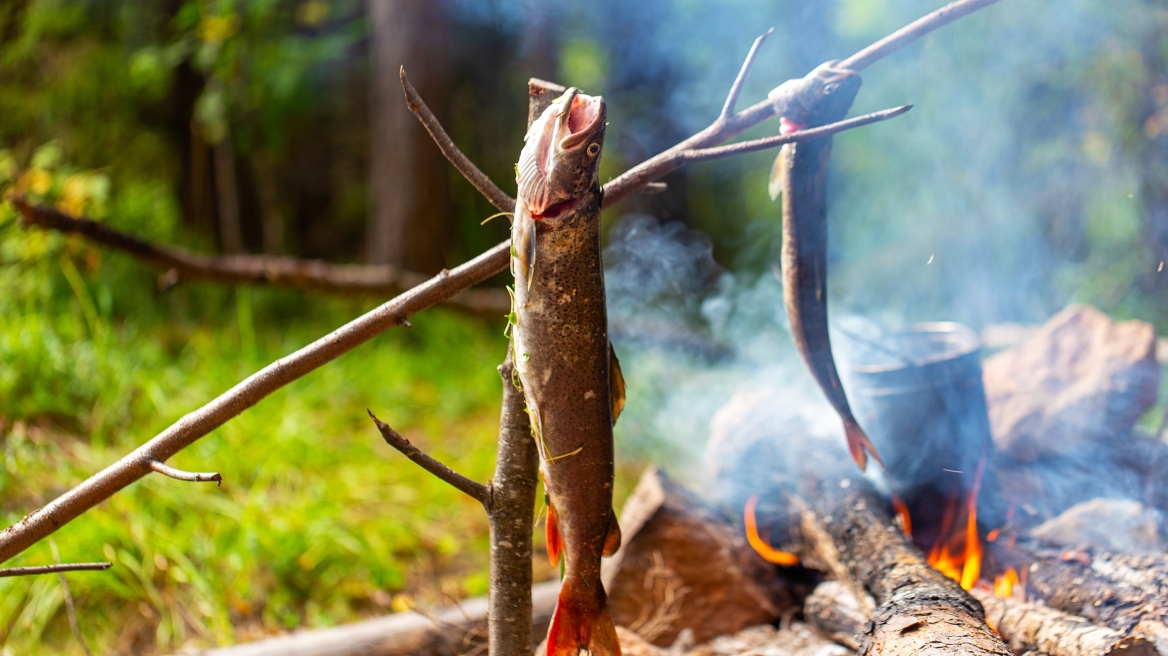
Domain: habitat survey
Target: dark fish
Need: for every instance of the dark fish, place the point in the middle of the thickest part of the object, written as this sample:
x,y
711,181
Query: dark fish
x,y
800,174
570,376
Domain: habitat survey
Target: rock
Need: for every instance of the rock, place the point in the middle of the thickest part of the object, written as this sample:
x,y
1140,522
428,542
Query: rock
x,y
682,565
1079,378
1118,525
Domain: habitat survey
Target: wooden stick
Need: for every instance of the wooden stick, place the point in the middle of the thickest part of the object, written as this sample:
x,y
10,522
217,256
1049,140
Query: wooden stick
x,y
192,477
53,569
472,489
97,488
912,32
180,263
1040,628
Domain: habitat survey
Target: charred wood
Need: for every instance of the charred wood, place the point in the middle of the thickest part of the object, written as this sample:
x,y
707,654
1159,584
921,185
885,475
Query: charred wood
x,y
1035,627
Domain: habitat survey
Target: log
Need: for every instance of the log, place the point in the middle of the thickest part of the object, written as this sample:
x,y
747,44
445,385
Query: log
x,y
446,632
1028,626
682,565
1125,592
797,639
836,613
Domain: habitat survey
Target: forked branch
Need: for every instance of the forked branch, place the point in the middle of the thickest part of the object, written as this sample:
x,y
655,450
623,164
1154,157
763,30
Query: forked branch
x,y
472,489
192,477
52,569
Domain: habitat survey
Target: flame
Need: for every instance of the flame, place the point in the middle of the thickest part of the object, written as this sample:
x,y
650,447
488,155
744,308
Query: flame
x,y
1004,584
958,555
768,553
905,518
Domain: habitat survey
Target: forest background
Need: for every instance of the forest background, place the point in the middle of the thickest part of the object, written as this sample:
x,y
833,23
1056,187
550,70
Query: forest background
x,y
1033,172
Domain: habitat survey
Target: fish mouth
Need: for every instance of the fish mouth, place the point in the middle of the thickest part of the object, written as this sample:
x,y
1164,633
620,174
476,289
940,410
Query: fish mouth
x,y
584,118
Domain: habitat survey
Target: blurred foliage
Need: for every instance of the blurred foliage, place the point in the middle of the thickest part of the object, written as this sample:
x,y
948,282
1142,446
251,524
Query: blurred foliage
x,y
1024,179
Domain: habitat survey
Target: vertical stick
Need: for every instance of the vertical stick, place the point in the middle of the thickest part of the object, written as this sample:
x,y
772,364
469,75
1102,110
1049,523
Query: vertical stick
x,y
511,506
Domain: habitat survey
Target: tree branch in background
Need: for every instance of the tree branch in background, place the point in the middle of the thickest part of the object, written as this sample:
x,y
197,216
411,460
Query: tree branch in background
x,y
52,569
179,263
472,489
912,32
476,177
192,477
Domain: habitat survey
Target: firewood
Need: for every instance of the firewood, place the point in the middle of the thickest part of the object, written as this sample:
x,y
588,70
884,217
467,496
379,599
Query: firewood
x,y
834,610
682,565
1028,626
1125,592
915,609
446,632
798,639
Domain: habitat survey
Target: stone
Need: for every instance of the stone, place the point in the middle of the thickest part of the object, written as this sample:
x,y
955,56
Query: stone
x,y
1117,525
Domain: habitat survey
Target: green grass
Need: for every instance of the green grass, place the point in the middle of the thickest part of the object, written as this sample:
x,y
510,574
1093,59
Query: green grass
x,y
318,522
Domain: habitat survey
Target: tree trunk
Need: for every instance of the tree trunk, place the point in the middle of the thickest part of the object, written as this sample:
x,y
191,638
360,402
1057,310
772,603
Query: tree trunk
x,y
411,223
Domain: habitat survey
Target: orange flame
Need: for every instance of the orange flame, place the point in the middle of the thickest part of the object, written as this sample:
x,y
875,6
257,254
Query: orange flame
x,y
958,556
1004,584
768,553
905,518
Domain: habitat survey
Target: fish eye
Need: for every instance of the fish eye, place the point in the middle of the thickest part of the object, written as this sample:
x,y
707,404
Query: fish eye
x,y
593,149
829,88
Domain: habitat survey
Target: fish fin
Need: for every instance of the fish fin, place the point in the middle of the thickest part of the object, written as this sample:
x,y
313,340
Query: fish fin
x,y
775,182
574,629
860,446
612,540
555,541
616,384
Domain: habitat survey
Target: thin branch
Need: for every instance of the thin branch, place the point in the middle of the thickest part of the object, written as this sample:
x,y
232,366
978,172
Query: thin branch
x,y
743,73
912,32
179,263
52,569
703,154
476,177
102,485
192,477
472,489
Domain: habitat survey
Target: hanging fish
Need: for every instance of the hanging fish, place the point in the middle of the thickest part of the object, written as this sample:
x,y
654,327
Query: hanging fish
x,y
569,373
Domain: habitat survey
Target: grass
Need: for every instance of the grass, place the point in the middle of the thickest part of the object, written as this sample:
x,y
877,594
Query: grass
x,y
318,522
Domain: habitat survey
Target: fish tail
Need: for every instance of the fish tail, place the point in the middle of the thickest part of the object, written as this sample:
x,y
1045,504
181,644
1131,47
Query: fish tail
x,y
859,445
580,624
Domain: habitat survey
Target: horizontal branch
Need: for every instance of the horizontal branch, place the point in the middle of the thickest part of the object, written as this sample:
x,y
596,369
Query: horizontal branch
x,y
252,269
192,477
472,489
102,485
53,569
476,177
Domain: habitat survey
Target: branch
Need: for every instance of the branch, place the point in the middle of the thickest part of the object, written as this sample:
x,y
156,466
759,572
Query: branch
x,y
488,189
472,489
193,477
51,569
912,32
102,485
743,73
251,269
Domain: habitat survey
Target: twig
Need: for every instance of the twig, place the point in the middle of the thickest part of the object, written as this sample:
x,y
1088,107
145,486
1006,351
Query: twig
x,y
912,32
472,489
703,154
193,477
52,569
102,485
488,189
743,73
69,608
251,269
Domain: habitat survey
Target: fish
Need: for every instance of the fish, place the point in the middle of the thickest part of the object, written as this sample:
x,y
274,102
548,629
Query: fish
x,y
799,175
565,363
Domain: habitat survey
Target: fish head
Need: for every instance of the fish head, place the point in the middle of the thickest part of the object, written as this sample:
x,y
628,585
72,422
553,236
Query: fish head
x,y
561,157
823,96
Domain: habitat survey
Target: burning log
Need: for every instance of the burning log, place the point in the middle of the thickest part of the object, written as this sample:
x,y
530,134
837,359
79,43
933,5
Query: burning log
x,y
681,565
1039,628
1126,592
